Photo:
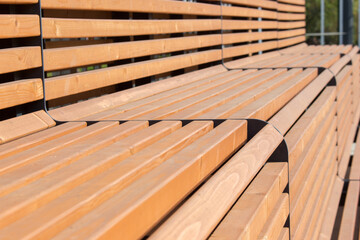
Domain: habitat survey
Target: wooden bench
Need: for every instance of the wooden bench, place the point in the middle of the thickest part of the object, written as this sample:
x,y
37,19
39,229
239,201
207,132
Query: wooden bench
x,y
113,154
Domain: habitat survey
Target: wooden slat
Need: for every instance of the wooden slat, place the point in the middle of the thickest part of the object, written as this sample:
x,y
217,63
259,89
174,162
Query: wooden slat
x,y
89,107
298,2
35,139
290,41
153,6
248,24
125,170
18,1
74,83
349,216
220,191
249,48
16,59
289,25
33,154
277,219
266,106
163,187
291,33
229,107
290,8
20,92
15,26
229,38
291,16
15,128
285,118
77,28
248,215
253,3
70,57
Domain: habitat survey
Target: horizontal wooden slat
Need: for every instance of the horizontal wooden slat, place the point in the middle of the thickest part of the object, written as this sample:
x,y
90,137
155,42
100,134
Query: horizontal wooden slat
x,y
290,8
155,6
293,24
36,139
291,33
277,219
20,58
15,128
175,177
291,16
18,1
221,191
86,55
248,48
20,92
249,214
74,83
248,24
291,41
252,3
298,2
229,38
15,26
77,28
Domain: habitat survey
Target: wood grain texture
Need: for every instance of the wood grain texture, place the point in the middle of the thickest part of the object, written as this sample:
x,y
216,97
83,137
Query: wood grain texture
x,y
18,1
163,187
16,26
75,83
273,227
100,188
193,219
70,57
250,212
20,58
15,128
348,220
35,139
20,92
77,28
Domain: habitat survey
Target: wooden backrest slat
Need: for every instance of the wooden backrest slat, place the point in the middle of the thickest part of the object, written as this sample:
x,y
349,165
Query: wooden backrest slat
x,y
20,92
18,1
20,58
16,26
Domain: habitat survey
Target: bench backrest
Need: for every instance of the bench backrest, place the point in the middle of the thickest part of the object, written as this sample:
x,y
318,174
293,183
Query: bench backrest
x,y
92,48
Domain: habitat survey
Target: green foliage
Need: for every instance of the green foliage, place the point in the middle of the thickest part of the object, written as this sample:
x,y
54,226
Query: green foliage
x,y
313,20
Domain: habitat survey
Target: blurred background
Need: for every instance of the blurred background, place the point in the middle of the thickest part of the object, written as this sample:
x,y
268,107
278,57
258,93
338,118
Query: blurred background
x,y
332,21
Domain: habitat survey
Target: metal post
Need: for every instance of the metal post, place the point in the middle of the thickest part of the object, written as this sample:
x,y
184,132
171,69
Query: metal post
x,y
341,21
348,22
358,23
322,22
260,29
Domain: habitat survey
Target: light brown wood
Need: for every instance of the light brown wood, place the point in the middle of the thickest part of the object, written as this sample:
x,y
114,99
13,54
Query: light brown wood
x,y
70,57
165,186
193,219
74,83
20,92
15,26
277,219
348,220
248,215
77,28
87,108
18,1
107,183
20,58
41,137
266,106
15,128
